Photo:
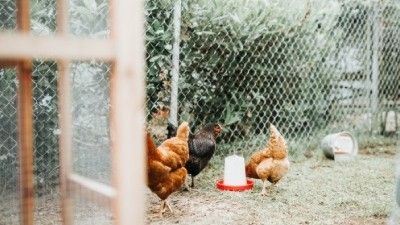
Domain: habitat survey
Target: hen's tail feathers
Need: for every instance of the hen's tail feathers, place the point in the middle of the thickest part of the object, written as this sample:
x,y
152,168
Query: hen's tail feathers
x,y
171,130
274,131
151,146
276,142
275,135
183,131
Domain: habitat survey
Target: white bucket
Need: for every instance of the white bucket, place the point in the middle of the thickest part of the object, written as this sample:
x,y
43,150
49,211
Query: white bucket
x,y
340,146
234,171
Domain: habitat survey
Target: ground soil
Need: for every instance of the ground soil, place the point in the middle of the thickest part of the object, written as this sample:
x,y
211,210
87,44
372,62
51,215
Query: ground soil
x,y
315,191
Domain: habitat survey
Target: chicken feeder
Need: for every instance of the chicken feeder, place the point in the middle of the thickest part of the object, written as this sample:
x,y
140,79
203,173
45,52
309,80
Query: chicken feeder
x,y
339,146
234,175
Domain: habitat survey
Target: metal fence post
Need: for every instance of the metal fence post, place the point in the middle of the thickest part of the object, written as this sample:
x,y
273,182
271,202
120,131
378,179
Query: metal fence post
x,y
175,63
375,47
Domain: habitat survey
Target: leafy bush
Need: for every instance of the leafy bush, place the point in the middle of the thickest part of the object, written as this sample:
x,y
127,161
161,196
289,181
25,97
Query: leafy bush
x,y
158,51
245,63
259,63
8,129
389,86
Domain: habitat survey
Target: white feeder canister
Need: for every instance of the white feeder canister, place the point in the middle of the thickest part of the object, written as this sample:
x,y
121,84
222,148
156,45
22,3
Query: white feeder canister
x,y
234,171
340,146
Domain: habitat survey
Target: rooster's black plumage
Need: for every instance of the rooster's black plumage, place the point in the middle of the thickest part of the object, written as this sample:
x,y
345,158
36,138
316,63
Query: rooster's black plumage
x,y
202,146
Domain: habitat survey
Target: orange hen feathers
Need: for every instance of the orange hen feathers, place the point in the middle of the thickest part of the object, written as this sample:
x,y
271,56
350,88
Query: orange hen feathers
x,y
165,171
271,163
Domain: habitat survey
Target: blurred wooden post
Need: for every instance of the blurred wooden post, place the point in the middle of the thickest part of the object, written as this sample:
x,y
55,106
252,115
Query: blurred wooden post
x,y
126,50
16,46
127,95
64,94
8,63
25,142
65,140
175,63
25,114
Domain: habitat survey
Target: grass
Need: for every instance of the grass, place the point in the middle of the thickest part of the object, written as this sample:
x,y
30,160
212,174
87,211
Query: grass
x,y
303,147
316,191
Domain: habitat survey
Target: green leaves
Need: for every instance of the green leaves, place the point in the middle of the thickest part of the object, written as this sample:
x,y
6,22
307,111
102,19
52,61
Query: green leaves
x,y
89,18
90,5
231,116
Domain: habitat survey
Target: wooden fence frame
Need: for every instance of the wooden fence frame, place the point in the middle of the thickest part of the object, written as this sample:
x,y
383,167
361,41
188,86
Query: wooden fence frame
x,y
125,50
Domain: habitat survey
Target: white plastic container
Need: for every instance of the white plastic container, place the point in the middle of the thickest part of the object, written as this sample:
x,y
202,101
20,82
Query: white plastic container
x,y
234,171
340,146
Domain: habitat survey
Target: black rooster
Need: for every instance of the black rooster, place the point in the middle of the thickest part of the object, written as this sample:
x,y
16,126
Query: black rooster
x,y
202,146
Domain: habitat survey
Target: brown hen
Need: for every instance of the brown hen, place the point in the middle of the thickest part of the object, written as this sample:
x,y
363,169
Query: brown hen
x,y
166,164
271,163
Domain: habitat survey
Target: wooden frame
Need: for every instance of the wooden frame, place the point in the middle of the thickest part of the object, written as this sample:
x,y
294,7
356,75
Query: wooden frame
x,y
125,50
25,124
58,47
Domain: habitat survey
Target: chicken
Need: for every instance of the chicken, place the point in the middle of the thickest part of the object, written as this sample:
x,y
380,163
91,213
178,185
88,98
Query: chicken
x,y
166,164
158,121
202,146
271,163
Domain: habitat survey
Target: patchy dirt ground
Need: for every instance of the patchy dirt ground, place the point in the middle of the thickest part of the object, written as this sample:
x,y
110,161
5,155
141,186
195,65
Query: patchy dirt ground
x,y
316,191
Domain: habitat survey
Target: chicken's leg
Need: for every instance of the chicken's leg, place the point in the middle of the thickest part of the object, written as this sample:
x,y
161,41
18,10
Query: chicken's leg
x,y
273,187
169,206
186,187
264,188
165,204
162,208
192,184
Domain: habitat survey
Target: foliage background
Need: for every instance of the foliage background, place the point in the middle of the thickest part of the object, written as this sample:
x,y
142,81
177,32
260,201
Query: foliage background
x,y
304,66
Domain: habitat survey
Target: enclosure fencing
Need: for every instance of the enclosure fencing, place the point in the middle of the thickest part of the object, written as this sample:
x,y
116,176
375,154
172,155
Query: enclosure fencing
x,y
309,67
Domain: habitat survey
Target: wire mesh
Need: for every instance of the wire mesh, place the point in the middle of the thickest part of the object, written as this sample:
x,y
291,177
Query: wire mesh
x,y
313,68
7,15
87,213
9,164
45,109
89,18
90,112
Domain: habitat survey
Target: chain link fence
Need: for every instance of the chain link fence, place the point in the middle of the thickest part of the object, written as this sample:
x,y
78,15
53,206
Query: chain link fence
x,y
309,67
8,127
90,112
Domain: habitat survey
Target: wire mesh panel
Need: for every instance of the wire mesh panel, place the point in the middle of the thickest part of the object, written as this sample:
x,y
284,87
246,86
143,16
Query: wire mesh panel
x,y
45,117
7,15
43,17
249,70
89,18
46,128
310,69
313,68
9,165
88,213
90,110
159,41
45,124
389,82
46,135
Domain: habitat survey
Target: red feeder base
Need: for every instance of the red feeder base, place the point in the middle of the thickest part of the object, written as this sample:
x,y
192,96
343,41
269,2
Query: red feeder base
x,y
221,186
